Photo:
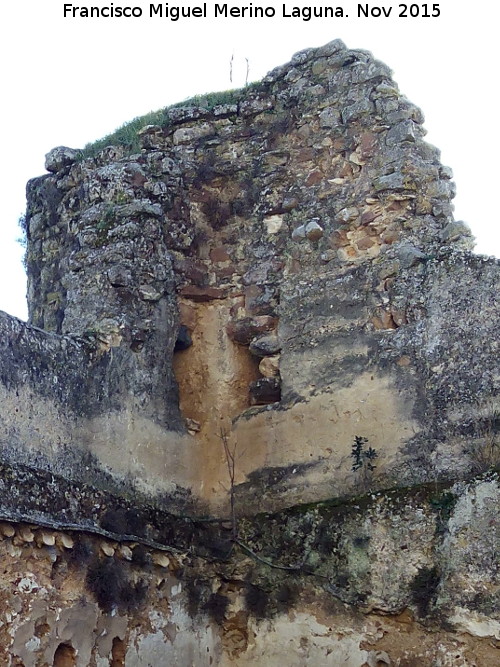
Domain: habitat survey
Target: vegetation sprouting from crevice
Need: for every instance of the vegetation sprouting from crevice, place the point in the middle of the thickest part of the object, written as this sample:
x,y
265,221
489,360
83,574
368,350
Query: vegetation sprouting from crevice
x,y
126,134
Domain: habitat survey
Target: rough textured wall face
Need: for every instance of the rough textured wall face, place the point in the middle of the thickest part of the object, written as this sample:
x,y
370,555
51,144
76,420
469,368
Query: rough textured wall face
x,y
313,142
303,237
89,261
400,579
281,274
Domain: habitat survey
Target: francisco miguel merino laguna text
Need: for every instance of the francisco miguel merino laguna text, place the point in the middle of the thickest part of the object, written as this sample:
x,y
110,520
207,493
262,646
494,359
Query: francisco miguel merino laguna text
x,y
221,10
224,10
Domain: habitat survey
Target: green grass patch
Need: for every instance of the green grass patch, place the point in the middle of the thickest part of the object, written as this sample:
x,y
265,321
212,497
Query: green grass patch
x,y
126,135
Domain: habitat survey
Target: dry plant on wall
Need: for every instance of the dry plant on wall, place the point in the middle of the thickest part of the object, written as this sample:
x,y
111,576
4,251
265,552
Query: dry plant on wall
x,y
362,460
231,70
484,451
230,456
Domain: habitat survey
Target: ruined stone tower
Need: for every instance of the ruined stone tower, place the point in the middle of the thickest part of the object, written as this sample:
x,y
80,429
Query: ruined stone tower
x,y
255,411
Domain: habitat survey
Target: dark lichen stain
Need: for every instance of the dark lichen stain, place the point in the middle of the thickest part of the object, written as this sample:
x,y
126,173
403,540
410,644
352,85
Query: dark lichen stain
x,y
424,589
110,583
216,607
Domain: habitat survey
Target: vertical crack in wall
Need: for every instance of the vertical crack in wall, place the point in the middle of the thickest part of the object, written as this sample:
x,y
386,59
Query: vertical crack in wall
x,y
118,652
213,376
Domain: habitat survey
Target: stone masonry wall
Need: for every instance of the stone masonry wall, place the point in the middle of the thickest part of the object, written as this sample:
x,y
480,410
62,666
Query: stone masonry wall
x,y
406,578
281,274
302,239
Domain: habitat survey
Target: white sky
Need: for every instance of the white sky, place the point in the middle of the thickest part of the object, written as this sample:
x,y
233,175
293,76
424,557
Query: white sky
x,y
70,81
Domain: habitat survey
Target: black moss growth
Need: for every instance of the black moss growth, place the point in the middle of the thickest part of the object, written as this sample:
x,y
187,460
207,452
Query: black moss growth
x,y
216,606
107,580
424,589
257,601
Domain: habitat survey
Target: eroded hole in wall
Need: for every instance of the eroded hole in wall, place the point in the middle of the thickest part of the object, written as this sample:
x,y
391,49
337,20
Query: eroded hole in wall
x,y
226,370
265,390
212,372
118,653
213,377
184,339
65,656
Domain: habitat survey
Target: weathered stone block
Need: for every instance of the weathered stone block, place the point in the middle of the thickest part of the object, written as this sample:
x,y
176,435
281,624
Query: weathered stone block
x,y
265,391
243,331
60,158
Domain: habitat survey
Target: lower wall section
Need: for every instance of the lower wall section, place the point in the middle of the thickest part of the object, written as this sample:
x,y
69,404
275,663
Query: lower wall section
x,y
78,413
406,579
